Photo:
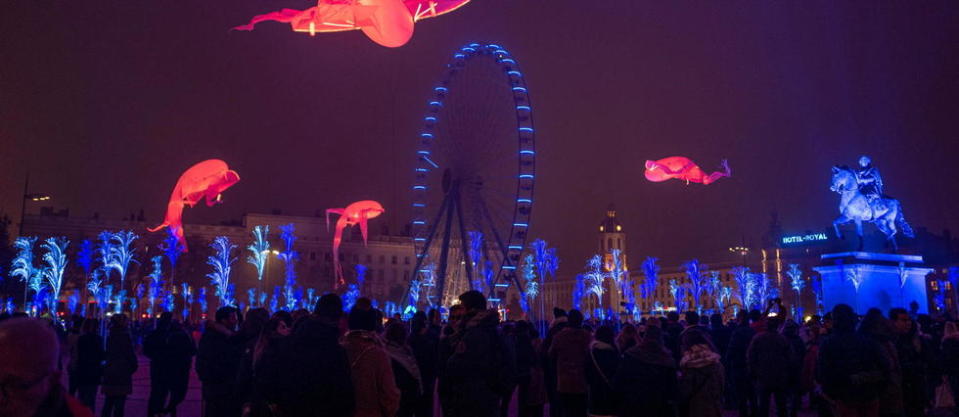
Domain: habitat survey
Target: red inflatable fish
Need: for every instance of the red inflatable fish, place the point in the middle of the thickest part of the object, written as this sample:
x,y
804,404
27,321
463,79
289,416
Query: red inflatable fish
x,y
386,22
207,179
357,213
682,168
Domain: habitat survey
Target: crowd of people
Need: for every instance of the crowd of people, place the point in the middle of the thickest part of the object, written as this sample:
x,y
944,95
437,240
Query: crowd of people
x,y
362,364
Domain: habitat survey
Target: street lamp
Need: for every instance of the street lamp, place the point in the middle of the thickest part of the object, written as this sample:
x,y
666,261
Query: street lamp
x,y
27,196
742,251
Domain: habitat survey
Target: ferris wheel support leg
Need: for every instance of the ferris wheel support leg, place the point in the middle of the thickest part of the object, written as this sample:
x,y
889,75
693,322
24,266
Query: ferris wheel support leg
x,y
445,252
426,248
463,242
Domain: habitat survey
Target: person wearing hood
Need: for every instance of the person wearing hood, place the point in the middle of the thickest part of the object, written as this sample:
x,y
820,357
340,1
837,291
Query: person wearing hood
x,y
570,351
478,368
645,380
603,361
217,362
121,363
702,376
409,380
370,370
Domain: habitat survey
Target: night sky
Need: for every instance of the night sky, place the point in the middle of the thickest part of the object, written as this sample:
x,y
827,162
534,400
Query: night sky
x,y
105,103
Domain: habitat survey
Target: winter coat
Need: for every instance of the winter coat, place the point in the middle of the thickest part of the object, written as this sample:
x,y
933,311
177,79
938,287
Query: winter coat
x,y
425,348
769,360
720,336
409,380
701,383
478,367
915,355
736,352
570,350
89,366
950,356
316,380
600,370
851,368
121,363
372,374
646,383
218,360
171,352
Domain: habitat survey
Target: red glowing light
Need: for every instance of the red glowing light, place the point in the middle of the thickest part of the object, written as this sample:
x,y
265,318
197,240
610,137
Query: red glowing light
x,y
354,214
207,179
682,168
386,22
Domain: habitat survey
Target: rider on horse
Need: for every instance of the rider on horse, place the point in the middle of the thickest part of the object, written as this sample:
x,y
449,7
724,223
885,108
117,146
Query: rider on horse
x,y
869,179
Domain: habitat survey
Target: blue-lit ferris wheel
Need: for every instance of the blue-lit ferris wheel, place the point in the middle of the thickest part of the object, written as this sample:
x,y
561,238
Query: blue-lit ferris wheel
x,y
472,194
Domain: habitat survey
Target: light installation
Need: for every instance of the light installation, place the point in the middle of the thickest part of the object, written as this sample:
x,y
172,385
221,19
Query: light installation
x,y
55,257
356,214
221,260
682,168
474,172
386,22
207,179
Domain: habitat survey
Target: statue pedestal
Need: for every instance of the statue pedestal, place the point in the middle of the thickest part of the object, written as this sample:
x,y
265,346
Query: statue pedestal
x,y
884,281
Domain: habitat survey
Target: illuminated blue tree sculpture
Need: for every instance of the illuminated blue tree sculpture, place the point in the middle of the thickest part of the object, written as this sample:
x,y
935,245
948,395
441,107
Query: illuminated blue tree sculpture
x,y
172,249
22,266
289,257
697,282
797,283
620,275
121,253
201,299
85,260
353,291
651,273
743,279
259,251
155,284
476,258
187,295
678,292
579,290
221,261
547,263
55,258
594,277
528,272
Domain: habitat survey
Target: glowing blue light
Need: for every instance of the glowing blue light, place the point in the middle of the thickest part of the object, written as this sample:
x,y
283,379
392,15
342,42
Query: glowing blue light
x,y
419,205
493,45
516,73
515,247
435,103
527,152
502,285
418,222
423,152
421,170
441,89
419,255
493,300
500,51
419,187
430,162
508,60
510,267
430,119
524,200
527,108
426,135
469,49
526,176
525,129
521,224
420,239
520,89
459,56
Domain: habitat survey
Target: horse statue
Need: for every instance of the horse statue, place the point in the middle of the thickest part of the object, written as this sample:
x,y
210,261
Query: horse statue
x,y
855,206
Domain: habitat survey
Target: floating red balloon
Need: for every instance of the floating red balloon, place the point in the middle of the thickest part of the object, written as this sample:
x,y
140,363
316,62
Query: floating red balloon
x,y
386,22
357,213
207,179
682,168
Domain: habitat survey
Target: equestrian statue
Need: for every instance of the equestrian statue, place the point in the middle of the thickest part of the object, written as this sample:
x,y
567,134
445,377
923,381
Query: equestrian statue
x,y
861,199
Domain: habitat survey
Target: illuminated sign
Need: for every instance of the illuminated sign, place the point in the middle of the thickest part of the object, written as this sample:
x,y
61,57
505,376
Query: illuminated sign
x,y
807,238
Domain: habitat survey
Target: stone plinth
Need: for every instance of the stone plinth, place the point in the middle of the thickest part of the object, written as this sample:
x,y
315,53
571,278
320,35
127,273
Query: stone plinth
x,y
865,280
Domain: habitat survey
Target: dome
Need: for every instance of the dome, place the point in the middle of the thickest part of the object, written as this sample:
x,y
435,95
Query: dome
x,y
611,224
